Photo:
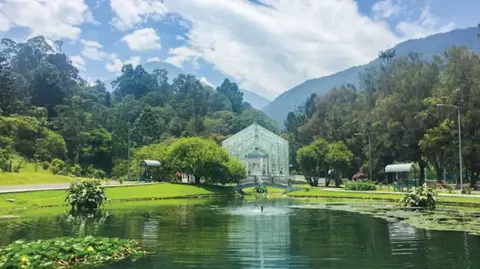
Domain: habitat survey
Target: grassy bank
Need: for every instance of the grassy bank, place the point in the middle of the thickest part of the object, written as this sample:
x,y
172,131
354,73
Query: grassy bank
x,y
27,178
29,175
130,193
392,197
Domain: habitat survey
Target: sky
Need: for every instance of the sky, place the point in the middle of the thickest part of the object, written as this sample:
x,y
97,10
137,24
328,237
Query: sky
x,y
266,46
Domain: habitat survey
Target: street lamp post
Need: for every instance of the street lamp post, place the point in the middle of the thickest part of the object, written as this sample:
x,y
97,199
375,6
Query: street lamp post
x,y
128,151
369,153
459,140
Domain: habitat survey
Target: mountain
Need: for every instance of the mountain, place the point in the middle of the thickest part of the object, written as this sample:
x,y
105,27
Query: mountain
x,y
428,47
257,101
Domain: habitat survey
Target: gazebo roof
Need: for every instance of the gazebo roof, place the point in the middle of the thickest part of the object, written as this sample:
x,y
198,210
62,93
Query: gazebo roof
x,y
150,163
399,167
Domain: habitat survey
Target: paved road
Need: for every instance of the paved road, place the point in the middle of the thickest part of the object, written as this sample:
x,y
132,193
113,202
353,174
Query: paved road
x,y
56,186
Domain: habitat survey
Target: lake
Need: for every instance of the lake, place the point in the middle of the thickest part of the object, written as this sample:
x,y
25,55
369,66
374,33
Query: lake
x,y
235,234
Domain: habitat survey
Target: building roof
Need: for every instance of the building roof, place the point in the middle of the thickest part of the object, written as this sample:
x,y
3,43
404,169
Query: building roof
x,y
150,163
399,167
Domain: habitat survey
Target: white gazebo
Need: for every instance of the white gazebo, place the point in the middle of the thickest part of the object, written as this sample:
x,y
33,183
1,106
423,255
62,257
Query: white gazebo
x,y
407,168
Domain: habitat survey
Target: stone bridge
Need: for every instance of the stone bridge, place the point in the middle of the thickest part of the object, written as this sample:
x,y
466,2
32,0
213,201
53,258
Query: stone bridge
x,y
273,181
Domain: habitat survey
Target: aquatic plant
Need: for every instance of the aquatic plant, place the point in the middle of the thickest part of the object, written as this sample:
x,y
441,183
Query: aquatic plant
x,y
67,252
422,196
360,186
87,194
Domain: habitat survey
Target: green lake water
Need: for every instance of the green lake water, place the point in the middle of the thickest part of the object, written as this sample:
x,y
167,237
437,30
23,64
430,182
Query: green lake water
x,y
233,234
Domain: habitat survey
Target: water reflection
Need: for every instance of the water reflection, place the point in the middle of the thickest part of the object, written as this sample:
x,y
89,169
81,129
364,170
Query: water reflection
x,y
260,239
234,235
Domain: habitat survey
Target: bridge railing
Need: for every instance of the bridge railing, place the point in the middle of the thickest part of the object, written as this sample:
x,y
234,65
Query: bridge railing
x,y
265,180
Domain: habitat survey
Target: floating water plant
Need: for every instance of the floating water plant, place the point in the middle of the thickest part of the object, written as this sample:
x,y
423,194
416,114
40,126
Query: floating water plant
x,y
67,252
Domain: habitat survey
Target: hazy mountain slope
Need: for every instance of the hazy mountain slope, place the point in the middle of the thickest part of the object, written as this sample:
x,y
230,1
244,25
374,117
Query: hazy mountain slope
x,y
429,46
257,101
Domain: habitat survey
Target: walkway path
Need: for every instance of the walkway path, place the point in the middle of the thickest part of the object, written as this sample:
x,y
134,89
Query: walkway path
x,y
57,186
391,192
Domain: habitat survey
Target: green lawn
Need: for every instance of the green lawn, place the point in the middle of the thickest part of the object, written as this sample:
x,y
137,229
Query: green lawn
x,y
28,175
322,193
25,178
155,191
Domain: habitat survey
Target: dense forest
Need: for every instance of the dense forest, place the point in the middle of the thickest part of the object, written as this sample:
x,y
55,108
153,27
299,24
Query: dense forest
x,y
397,108
53,117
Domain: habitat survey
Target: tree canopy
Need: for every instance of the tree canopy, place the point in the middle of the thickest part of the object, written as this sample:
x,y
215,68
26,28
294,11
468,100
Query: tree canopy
x,y
397,106
49,112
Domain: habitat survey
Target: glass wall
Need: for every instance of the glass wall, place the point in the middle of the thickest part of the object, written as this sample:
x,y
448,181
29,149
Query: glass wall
x,y
263,152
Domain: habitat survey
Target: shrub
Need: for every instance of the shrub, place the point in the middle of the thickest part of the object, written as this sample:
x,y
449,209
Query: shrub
x,y
448,187
260,189
467,189
88,194
423,196
56,166
360,186
45,165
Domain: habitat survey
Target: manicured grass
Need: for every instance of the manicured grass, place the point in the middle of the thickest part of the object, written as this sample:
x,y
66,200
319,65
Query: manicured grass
x,y
318,192
155,191
322,193
26,178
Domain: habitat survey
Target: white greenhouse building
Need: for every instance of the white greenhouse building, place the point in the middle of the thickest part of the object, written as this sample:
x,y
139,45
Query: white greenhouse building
x,y
264,153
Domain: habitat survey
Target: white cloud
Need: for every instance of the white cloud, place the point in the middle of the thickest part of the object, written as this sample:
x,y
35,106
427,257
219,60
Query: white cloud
x,y
4,22
93,50
128,13
116,64
182,54
153,59
276,45
385,9
205,81
143,40
426,25
78,62
54,19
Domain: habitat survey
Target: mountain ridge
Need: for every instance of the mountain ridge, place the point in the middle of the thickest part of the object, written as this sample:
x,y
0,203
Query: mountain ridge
x,y
426,46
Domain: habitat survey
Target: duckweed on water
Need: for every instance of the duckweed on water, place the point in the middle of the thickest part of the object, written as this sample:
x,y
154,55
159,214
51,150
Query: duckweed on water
x,y
440,219
68,252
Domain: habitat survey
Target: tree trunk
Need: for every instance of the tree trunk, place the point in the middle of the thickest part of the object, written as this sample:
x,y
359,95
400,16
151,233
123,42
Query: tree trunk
x,y
197,179
421,177
338,177
474,180
438,173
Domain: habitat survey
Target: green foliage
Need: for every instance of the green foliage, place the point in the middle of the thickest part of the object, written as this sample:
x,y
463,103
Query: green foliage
x,y
51,146
339,157
65,252
45,165
422,196
312,160
48,112
56,166
202,158
467,190
87,194
360,186
260,189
